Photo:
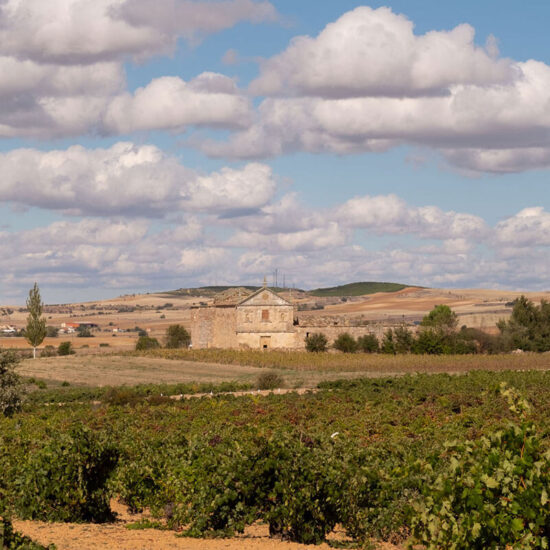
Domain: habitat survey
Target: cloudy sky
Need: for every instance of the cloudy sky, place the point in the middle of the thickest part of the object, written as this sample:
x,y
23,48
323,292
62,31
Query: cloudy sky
x,y
150,145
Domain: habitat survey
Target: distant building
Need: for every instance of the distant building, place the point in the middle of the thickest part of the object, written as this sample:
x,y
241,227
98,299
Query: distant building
x,y
240,319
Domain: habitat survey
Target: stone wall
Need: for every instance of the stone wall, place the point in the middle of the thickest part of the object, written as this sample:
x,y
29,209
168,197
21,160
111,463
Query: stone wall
x,y
265,318
271,340
213,327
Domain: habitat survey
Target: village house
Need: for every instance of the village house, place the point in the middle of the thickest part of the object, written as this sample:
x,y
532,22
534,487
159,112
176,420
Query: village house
x,y
242,319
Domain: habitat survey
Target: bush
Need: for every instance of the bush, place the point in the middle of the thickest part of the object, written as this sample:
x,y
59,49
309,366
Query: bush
x,y
146,342
48,351
177,337
223,486
316,342
65,348
269,381
11,539
368,343
10,384
346,343
492,494
65,479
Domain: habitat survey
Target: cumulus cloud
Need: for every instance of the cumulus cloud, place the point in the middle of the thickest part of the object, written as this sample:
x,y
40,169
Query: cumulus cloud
x,y
50,100
367,84
171,103
389,214
528,228
374,52
88,31
329,236
127,179
63,75
496,128
204,259
461,250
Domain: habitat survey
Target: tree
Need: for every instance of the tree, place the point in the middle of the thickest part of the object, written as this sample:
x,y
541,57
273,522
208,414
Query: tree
x,y
145,343
65,348
10,385
35,331
346,343
528,328
316,342
441,318
177,337
368,343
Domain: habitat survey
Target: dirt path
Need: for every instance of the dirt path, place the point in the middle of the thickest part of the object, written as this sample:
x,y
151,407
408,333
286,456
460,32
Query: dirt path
x,y
75,536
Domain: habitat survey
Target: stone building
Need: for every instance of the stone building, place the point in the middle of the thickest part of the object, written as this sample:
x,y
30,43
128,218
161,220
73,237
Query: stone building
x,y
260,320
240,318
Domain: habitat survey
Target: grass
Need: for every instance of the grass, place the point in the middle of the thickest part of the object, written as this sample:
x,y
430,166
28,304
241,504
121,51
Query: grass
x,y
357,289
356,362
299,369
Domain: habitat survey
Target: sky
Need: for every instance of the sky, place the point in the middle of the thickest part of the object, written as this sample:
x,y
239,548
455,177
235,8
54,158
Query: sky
x,y
148,146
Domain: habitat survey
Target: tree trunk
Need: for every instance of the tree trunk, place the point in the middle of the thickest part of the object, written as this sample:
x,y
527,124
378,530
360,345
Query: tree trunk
x,y
34,353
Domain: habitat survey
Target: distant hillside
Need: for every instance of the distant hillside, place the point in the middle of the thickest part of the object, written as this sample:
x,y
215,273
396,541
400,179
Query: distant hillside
x,y
211,291
357,289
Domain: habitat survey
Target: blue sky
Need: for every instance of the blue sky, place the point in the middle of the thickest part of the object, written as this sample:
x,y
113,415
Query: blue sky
x,y
149,146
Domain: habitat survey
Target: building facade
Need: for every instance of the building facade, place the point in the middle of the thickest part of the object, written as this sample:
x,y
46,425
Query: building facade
x,y
241,319
261,320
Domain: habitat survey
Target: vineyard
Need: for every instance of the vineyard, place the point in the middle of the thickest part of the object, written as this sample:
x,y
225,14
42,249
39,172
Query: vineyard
x,y
446,461
347,362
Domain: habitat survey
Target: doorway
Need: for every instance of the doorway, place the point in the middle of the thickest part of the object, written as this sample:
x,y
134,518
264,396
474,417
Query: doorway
x,y
265,342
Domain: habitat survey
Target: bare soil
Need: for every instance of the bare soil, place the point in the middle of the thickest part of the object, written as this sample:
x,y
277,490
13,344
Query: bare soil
x,y
116,370
75,536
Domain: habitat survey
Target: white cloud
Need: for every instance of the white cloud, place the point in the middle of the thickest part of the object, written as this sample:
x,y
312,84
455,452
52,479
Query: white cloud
x,y
230,189
329,236
389,214
87,31
108,253
62,66
201,260
374,52
528,228
127,179
367,84
171,103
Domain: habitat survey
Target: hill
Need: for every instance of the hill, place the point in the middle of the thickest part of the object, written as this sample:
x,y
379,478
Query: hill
x,y
357,289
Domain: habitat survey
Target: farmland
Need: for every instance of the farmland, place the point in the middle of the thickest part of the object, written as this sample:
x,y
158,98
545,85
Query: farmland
x,y
367,430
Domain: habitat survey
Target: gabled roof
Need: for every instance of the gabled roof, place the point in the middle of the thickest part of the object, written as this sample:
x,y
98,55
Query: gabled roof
x,y
231,296
264,296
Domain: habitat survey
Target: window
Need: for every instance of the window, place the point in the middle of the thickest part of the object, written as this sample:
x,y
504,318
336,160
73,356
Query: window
x,y
265,315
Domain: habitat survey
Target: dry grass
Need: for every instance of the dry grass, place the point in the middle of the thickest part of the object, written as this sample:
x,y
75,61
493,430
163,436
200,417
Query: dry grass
x,y
358,362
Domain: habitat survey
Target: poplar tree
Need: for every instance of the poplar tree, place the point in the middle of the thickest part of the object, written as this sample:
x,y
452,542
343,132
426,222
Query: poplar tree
x,y
35,331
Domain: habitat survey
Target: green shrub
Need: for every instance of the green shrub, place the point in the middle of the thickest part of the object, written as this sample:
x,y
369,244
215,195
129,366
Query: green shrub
x,y
104,345
48,351
270,381
177,337
146,342
493,492
316,342
65,479
65,348
368,343
10,384
225,485
12,540
346,343
299,497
